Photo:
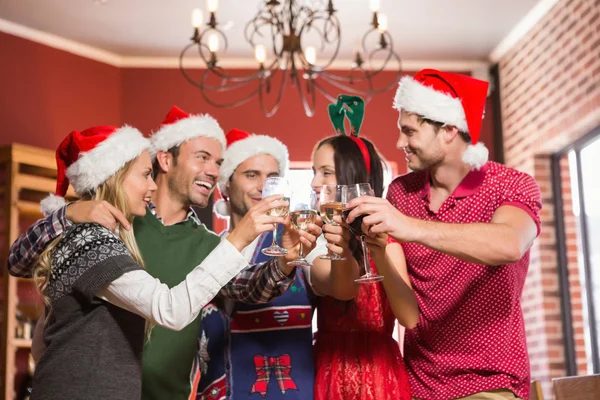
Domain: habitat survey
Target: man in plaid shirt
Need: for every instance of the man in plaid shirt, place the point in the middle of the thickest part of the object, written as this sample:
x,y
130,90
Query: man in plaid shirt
x,y
186,169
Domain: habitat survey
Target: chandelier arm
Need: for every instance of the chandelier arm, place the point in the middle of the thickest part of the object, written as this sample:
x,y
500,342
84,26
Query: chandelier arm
x,y
333,56
275,31
332,22
238,82
324,92
232,104
187,76
269,113
339,82
309,109
348,88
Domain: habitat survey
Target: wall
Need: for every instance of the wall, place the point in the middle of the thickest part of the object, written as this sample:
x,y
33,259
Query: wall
x,y
46,93
149,93
550,94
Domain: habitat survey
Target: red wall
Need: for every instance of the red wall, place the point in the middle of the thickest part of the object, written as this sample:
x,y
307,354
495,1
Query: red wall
x,y
149,93
45,93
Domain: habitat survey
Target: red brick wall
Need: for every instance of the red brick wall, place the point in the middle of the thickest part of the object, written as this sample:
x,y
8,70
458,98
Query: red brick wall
x,y
550,93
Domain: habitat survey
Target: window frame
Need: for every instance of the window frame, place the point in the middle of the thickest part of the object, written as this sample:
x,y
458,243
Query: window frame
x,y
561,238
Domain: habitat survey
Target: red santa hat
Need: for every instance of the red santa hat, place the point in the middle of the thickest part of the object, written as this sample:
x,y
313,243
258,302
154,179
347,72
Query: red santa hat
x,y
179,126
88,158
453,99
240,147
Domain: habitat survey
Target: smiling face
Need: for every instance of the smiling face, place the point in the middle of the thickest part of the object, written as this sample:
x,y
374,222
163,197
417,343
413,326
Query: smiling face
x,y
193,172
139,185
323,168
422,142
245,185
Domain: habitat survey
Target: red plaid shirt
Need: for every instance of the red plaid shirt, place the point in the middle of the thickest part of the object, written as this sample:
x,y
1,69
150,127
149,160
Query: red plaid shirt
x,y
470,336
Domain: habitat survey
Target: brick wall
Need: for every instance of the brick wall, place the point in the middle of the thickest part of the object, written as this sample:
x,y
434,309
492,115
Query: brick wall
x,y
550,95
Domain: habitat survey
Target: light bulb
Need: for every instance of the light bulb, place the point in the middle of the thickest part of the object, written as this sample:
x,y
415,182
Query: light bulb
x,y
311,55
213,43
374,5
382,23
212,5
197,18
260,52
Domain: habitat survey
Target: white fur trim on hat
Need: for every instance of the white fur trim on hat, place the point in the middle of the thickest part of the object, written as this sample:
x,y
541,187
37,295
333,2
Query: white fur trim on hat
x,y
51,203
240,151
475,155
94,167
221,208
427,102
172,135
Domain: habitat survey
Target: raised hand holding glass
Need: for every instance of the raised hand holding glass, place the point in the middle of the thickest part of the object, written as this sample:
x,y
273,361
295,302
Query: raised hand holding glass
x,y
330,206
303,211
270,187
351,192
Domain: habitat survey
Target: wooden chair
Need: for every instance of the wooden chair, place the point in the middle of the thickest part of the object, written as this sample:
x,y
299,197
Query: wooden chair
x,y
577,387
536,391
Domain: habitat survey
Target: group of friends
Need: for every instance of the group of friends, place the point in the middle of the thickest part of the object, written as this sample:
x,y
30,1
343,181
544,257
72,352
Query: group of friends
x,y
142,301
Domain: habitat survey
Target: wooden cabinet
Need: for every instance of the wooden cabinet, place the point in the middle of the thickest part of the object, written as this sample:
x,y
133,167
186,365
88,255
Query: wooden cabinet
x,y
27,175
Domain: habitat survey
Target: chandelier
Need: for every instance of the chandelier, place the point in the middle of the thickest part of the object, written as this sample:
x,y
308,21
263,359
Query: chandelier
x,y
280,34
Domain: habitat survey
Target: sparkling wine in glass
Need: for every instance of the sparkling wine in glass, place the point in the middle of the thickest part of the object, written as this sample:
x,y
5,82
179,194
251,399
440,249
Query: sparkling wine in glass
x,y
303,211
351,192
270,187
331,205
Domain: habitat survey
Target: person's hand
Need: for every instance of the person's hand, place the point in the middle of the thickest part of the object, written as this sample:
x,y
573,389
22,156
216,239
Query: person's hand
x,y
382,217
291,238
97,211
256,221
338,237
377,244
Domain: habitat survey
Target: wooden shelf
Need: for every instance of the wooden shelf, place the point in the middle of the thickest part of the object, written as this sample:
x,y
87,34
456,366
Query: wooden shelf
x,y
22,343
28,175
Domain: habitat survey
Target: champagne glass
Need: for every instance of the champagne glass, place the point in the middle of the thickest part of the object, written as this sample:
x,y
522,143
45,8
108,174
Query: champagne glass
x,y
351,192
303,211
330,205
270,187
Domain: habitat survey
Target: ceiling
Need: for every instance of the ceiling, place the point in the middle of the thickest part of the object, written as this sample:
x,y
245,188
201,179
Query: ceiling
x,y
422,30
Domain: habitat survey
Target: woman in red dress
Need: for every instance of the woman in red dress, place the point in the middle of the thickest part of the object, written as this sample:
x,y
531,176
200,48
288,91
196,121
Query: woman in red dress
x,y
355,354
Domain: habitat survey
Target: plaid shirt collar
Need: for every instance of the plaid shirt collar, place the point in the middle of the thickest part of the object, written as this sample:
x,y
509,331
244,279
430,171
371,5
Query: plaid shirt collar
x,y
190,215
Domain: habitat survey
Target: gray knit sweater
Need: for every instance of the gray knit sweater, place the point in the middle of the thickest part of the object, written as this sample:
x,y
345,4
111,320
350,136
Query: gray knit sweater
x,y
94,348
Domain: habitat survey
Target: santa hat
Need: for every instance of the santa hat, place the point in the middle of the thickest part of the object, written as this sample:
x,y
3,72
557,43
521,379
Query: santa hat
x,y
240,147
179,126
452,99
88,158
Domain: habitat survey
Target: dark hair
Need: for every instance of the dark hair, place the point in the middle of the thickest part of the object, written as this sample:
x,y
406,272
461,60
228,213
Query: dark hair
x,y
156,169
350,168
438,125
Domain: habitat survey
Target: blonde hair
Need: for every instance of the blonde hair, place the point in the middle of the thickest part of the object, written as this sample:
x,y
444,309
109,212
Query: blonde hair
x,y
112,192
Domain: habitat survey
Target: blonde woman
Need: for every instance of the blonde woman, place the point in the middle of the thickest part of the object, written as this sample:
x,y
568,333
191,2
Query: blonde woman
x,y
98,296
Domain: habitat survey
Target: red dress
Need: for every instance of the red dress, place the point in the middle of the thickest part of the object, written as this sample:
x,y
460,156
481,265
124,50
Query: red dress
x,y
355,354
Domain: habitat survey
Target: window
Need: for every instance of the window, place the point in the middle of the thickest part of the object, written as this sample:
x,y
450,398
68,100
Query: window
x,y
583,165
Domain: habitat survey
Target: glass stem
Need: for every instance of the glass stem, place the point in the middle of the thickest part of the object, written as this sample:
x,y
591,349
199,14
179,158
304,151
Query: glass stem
x,y
274,236
300,254
365,255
